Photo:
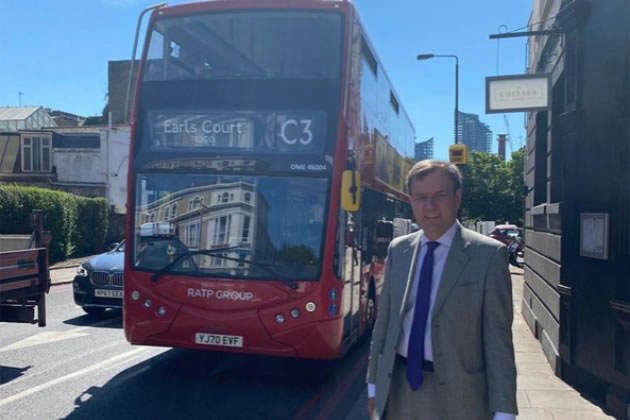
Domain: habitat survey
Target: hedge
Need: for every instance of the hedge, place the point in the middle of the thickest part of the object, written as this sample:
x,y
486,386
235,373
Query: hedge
x,y
78,224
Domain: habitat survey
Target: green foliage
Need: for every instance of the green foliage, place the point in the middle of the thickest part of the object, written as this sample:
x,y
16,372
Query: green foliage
x,y
296,254
493,190
92,225
78,224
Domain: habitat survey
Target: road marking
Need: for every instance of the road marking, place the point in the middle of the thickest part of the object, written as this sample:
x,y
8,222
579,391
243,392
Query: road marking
x,y
52,366
340,390
35,389
52,336
43,338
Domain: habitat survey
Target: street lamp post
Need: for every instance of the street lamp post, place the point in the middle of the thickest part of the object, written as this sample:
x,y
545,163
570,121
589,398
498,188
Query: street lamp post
x,y
430,56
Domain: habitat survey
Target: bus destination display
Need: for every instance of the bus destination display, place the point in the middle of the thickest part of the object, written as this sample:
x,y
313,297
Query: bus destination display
x,y
300,132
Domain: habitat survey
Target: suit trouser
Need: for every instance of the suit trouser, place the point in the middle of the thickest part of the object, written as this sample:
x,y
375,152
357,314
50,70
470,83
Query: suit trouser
x,y
422,404
405,404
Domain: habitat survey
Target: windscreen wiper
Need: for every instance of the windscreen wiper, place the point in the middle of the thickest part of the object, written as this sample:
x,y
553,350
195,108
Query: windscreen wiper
x,y
267,268
179,257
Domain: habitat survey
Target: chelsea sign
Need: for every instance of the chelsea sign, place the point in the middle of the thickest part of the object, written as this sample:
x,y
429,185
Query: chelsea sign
x,y
520,93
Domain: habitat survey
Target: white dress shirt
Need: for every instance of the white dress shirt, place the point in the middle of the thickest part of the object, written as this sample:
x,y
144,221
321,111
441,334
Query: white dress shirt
x,y
439,260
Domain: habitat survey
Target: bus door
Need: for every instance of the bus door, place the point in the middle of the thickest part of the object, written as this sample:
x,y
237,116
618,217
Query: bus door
x,y
351,274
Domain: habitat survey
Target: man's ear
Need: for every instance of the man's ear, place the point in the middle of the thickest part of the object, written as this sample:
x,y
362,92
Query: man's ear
x,y
458,198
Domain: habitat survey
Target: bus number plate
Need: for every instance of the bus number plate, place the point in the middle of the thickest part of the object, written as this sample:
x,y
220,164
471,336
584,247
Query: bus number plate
x,y
219,340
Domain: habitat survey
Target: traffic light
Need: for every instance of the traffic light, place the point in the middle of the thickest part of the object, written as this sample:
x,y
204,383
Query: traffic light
x,y
458,154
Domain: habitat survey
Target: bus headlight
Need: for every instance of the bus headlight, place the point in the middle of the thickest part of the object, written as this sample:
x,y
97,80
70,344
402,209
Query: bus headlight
x,y
280,318
295,313
135,295
310,307
147,303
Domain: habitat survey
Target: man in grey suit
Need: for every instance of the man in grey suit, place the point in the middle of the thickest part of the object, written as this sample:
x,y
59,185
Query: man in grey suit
x,y
442,343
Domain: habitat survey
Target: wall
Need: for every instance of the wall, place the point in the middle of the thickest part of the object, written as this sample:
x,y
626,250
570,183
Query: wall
x,y
79,165
117,162
83,170
578,160
13,242
541,299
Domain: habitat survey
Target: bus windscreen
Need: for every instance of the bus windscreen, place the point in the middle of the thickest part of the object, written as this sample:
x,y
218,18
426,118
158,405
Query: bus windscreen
x,y
280,44
246,227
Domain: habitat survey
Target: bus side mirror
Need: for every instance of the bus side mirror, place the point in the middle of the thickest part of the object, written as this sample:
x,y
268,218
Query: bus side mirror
x,y
350,190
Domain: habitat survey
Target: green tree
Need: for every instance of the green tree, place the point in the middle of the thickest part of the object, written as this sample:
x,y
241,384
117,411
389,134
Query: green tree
x,y
296,254
517,185
493,189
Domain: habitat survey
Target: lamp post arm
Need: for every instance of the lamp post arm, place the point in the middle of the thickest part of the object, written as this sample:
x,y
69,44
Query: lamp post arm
x,y
430,56
456,100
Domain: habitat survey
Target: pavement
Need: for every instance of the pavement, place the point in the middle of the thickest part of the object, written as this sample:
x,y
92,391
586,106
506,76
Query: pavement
x,y
541,395
64,272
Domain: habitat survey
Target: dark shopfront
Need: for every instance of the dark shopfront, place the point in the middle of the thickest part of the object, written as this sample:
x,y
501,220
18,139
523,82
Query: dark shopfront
x,y
577,275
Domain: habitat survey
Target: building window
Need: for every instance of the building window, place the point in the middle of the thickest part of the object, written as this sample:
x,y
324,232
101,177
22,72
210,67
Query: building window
x,y
225,197
173,210
369,57
153,217
195,203
248,197
36,154
245,236
222,229
242,258
193,235
394,102
540,153
219,260
167,213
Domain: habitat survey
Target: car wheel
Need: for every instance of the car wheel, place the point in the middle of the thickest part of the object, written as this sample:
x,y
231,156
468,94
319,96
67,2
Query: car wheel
x,y
94,312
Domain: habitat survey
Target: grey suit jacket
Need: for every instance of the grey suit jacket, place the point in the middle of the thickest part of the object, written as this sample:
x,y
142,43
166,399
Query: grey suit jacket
x,y
470,326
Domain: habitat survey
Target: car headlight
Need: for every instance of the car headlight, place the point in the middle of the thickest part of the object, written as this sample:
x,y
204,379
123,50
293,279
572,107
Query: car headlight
x,y
82,272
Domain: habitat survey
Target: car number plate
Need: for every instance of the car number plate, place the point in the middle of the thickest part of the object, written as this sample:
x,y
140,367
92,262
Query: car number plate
x,y
219,340
108,293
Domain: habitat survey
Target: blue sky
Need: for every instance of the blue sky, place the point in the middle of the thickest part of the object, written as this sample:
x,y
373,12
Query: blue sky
x,y
56,53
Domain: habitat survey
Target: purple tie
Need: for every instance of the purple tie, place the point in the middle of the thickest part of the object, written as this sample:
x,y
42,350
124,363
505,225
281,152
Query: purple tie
x,y
415,350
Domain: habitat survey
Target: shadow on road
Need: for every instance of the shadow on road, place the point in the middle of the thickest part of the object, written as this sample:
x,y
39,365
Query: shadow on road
x,y
8,373
112,318
197,384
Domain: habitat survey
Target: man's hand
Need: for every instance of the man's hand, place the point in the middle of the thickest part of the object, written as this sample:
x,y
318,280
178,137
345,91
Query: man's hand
x,y
371,407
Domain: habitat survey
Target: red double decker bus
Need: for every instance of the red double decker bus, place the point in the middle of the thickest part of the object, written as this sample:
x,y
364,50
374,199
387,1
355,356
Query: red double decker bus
x,y
266,179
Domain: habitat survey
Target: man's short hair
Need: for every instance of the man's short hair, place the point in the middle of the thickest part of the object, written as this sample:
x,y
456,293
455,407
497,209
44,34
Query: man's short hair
x,y
426,167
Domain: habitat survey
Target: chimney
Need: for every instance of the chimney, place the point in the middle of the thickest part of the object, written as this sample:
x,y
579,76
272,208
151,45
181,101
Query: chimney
x,y
502,138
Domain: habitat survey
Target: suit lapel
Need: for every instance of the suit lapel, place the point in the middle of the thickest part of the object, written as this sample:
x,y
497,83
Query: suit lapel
x,y
409,263
455,262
